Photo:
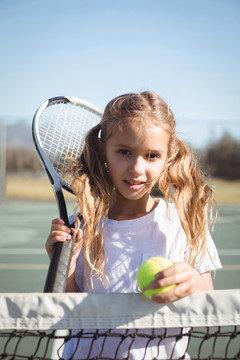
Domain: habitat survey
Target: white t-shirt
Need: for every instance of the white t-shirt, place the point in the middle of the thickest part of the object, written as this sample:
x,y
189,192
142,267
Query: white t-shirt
x,y
127,244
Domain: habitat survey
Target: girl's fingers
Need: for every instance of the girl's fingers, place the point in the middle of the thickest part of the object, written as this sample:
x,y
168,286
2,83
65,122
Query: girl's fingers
x,y
176,268
180,291
60,233
182,275
176,274
58,221
60,236
172,279
62,228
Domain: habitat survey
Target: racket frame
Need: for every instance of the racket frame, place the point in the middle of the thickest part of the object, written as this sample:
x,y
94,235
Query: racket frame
x,y
56,280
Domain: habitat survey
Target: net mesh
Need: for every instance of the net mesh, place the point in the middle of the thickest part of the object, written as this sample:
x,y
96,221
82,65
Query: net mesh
x,y
119,326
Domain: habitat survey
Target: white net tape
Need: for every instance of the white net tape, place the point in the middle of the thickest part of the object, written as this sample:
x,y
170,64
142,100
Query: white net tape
x,y
81,326
96,311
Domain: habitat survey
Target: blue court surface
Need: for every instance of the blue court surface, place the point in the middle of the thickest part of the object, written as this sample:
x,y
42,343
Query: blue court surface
x,y
24,227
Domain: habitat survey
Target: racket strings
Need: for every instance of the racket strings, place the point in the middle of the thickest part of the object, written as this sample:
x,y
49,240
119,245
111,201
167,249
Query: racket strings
x,y
62,129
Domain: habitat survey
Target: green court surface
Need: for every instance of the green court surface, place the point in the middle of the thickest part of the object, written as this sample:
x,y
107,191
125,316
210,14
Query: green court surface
x,y
24,227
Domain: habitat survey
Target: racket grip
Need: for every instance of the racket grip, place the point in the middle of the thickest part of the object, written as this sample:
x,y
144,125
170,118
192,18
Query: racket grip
x,y
57,276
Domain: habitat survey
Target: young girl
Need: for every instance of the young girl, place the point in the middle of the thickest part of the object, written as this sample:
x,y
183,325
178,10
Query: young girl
x,y
135,147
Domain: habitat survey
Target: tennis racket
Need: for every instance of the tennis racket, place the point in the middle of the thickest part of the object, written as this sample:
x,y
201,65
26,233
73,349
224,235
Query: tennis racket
x,y
59,128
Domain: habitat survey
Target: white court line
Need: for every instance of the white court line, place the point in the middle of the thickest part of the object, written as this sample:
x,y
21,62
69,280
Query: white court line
x,y
23,251
227,219
24,266
229,252
40,251
233,267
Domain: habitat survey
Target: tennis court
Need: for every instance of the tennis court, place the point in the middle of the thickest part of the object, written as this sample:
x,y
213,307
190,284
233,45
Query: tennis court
x,y
23,267
25,225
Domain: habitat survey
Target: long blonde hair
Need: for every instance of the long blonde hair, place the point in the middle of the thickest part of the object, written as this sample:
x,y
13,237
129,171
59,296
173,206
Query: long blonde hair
x,y
181,181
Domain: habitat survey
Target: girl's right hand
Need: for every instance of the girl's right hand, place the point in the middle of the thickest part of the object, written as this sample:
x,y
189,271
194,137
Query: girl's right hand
x,y
60,233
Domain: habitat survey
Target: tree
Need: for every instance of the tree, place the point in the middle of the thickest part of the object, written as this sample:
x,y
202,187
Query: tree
x,y
22,159
222,158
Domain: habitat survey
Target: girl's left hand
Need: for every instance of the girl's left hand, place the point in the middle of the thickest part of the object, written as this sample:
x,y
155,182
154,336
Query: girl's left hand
x,y
187,281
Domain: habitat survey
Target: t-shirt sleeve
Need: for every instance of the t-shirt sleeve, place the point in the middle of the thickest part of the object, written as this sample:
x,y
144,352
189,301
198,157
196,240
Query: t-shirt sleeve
x,y
210,261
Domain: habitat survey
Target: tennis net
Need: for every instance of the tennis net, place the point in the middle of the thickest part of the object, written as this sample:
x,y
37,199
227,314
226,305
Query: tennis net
x,y
205,326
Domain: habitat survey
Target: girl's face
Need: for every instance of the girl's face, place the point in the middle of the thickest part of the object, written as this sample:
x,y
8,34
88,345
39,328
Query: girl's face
x,y
135,158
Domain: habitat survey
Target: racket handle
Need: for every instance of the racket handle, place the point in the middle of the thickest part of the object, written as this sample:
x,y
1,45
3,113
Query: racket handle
x,y
57,276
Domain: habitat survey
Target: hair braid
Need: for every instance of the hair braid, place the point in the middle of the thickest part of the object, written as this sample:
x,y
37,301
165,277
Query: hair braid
x,y
183,182
93,190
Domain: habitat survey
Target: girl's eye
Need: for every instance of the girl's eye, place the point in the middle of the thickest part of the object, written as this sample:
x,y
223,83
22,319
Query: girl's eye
x,y
124,152
152,156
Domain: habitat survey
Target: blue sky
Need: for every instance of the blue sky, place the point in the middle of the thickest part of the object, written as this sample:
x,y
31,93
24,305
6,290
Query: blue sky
x,y
188,51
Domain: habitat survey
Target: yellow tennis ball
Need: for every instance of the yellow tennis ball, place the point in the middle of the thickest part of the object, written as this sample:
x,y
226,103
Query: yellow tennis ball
x,y
147,272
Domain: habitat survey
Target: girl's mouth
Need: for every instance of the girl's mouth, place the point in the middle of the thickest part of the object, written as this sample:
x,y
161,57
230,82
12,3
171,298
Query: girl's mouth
x,y
134,184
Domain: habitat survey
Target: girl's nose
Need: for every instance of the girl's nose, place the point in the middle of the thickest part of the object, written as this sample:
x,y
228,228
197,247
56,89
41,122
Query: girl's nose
x,y
137,166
